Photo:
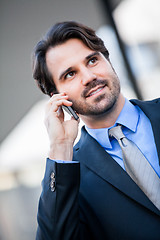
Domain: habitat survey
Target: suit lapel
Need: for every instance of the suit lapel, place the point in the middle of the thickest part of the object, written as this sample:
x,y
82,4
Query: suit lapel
x,y
90,153
152,111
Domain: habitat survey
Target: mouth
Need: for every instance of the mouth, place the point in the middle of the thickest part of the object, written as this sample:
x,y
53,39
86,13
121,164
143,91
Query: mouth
x,y
95,91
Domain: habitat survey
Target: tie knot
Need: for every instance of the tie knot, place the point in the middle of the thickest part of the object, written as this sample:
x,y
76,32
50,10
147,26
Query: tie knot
x,y
116,132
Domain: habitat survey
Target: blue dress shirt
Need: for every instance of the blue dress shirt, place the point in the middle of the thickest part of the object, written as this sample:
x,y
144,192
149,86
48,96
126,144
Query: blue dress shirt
x,y
136,127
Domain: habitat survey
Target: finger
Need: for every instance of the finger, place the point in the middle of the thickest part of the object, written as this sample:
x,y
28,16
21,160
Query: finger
x,y
57,95
78,120
56,98
60,114
53,110
55,105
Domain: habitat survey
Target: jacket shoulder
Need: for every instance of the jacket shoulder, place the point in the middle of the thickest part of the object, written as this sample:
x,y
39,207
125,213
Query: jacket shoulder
x,y
145,103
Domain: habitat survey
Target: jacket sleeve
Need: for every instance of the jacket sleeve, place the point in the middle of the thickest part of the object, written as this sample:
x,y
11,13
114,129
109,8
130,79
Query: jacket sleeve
x,y
58,211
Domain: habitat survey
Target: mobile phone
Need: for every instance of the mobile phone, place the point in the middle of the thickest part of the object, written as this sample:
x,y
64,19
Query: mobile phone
x,y
70,111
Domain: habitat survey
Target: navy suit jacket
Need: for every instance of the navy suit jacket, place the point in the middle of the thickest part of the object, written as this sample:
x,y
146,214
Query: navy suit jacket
x,y
95,198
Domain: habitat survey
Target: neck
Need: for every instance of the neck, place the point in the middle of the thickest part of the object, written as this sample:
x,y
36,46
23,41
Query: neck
x,y
107,119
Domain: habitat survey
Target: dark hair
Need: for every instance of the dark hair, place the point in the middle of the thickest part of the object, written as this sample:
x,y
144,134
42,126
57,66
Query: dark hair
x,y
58,34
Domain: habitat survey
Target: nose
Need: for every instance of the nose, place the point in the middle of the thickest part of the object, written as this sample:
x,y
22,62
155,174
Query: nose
x,y
87,76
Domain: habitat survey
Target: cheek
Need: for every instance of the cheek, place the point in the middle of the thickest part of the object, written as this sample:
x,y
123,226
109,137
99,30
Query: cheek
x,y
100,71
105,68
108,73
70,88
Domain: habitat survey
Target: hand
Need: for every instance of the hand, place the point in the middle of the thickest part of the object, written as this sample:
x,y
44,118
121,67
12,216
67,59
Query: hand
x,y
62,134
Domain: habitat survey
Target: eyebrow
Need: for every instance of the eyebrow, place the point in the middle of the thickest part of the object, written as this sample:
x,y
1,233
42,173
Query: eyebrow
x,y
92,55
71,68
65,72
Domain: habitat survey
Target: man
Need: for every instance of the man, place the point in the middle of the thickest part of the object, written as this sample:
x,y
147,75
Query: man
x,y
88,192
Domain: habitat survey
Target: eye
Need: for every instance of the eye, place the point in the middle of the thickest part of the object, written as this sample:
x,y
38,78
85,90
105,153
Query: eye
x,y
93,61
69,75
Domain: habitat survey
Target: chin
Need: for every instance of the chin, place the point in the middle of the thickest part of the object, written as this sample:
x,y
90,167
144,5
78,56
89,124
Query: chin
x,y
101,105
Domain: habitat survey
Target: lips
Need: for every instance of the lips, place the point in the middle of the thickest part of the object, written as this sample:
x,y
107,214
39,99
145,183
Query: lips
x,y
95,90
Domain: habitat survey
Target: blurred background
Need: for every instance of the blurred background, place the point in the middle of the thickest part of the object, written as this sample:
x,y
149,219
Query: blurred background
x,y
129,29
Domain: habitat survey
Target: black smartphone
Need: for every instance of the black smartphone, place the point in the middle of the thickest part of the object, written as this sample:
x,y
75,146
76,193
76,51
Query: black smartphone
x,y
70,111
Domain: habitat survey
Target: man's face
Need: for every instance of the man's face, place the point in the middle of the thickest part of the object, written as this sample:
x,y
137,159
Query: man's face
x,y
85,75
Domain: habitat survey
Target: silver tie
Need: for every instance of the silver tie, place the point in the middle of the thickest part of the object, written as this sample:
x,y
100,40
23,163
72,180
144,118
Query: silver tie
x,y
137,166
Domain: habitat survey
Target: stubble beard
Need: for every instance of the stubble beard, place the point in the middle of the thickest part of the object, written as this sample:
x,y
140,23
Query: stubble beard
x,y
102,104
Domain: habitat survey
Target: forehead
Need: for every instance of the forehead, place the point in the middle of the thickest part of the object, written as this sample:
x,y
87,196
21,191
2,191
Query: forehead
x,y
70,46
66,55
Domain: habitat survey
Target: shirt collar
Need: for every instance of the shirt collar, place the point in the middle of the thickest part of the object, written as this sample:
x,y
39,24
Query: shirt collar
x,y
128,117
